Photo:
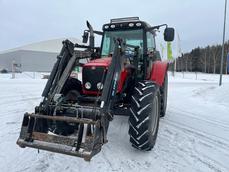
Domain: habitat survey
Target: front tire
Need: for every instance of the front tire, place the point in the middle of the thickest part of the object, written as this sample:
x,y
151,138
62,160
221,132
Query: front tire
x,y
144,115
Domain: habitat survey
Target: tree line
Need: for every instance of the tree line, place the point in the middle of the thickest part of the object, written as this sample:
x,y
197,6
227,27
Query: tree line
x,y
205,59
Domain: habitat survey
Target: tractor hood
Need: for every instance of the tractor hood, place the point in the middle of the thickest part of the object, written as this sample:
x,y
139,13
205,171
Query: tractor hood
x,y
99,62
93,73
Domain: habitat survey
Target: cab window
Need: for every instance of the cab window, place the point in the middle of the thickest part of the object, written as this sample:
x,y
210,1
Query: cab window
x,y
131,37
150,41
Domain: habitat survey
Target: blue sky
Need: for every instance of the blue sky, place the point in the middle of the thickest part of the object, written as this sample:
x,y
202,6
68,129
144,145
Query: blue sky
x,y
198,23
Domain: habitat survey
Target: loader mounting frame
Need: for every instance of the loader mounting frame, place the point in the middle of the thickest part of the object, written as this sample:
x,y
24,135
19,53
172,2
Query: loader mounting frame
x,y
92,121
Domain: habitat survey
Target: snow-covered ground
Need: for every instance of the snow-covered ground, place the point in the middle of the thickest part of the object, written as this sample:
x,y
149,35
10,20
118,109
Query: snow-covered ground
x,y
194,135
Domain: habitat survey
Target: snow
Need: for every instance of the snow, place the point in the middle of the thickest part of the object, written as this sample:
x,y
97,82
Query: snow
x,y
193,136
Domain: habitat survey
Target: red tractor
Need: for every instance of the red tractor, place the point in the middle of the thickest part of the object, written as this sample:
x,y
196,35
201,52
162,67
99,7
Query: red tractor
x,y
125,76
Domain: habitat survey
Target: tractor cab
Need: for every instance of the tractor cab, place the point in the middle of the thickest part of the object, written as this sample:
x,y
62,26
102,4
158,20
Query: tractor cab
x,y
140,50
131,36
131,31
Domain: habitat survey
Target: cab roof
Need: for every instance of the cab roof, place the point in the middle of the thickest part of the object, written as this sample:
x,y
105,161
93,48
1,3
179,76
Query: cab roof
x,y
125,24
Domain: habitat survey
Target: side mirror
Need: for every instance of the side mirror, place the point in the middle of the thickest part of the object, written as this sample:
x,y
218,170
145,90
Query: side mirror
x,y
85,37
169,34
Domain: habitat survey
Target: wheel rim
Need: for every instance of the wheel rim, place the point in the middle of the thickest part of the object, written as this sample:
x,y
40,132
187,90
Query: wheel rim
x,y
154,116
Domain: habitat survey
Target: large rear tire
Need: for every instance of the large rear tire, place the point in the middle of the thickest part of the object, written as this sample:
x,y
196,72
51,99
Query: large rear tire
x,y
144,115
164,95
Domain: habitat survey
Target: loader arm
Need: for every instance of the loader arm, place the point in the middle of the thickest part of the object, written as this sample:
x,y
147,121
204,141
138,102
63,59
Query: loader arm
x,y
92,121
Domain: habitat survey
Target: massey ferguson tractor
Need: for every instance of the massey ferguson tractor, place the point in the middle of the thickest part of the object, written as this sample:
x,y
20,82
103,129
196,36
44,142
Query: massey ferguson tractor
x,y
124,76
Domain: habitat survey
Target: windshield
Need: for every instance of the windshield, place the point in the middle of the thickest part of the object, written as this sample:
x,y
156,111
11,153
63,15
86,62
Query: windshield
x,y
131,37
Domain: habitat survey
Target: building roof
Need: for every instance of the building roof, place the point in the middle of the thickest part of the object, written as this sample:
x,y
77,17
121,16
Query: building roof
x,y
52,46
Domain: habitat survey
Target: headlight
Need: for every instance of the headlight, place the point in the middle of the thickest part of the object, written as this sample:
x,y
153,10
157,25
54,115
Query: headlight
x,y
87,85
112,26
100,86
131,24
138,24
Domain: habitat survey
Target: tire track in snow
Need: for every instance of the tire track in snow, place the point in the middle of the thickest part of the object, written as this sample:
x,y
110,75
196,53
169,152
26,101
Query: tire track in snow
x,y
15,95
183,155
197,116
190,140
201,134
12,103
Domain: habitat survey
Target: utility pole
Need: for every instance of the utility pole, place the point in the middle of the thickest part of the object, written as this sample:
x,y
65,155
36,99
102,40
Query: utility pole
x,y
224,28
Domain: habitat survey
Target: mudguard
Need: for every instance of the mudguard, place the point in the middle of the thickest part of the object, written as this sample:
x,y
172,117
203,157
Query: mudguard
x,y
122,80
158,72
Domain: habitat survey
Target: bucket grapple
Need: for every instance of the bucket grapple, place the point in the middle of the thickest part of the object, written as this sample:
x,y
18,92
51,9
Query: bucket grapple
x,y
85,143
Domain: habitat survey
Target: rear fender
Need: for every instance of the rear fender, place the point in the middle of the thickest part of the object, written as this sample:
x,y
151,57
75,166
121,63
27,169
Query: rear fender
x,y
158,72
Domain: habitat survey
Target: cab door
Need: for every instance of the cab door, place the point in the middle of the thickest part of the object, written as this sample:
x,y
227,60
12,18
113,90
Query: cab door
x,y
151,52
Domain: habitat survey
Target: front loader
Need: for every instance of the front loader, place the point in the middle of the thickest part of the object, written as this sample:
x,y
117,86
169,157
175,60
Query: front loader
x,y
125,76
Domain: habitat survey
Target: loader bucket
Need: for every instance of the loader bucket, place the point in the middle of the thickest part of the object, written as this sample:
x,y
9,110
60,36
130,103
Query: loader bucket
x,y
84,143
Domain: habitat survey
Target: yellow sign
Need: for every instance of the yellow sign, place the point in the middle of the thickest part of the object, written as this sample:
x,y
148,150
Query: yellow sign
x,y
169,51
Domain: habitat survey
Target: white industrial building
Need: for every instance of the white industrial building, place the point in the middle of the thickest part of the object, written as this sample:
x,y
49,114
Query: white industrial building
x,y
36,57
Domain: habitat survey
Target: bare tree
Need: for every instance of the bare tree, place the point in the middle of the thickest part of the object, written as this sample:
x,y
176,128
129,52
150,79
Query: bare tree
x,y
215,50
205,59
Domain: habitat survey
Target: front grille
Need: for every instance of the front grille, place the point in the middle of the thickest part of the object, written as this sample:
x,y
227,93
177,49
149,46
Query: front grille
x,y
94,75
